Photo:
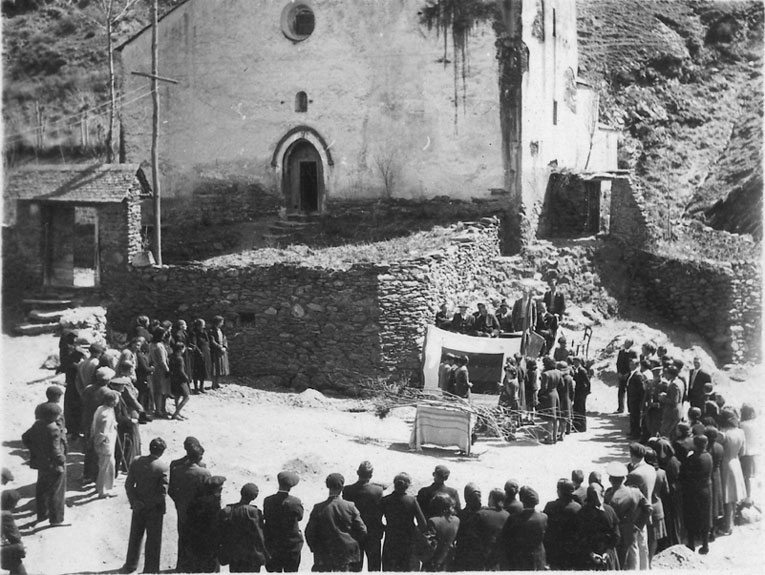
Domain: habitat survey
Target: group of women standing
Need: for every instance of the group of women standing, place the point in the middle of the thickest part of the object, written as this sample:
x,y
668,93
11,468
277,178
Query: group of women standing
x,y
178,357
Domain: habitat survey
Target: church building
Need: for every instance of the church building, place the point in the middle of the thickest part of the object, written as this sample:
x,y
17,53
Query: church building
x,y
291,105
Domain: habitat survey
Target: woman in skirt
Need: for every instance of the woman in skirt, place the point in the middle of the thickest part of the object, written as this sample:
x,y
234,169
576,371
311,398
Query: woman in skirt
x,y
218,351
179,379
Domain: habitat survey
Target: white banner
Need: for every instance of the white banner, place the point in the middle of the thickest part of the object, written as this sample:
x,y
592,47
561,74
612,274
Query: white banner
x,y
437,341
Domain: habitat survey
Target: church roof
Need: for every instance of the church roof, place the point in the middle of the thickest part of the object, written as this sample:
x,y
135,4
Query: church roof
x,y
100,183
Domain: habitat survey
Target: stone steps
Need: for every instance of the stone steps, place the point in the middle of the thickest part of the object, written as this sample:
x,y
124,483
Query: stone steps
x,y
290,230
39,316
47,303
36,328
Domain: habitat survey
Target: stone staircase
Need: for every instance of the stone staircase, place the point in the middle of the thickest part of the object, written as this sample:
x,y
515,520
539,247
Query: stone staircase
x,y
43,311
294,228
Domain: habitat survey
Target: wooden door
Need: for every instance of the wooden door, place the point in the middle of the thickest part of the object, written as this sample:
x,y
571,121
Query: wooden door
x,y
304,179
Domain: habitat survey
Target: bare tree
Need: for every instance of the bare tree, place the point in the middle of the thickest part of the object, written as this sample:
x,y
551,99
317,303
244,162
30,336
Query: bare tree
x,y
386,161
112,13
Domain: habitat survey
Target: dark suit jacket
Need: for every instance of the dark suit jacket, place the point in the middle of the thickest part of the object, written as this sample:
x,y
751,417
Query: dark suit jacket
x,y
185,481
558,303
486,324
696,382
443,531
146,483
522,541
635,386
46,446
282,512
462,325
241,537
401,511
623,362
333,533
426,495
367,497
560,536
490,524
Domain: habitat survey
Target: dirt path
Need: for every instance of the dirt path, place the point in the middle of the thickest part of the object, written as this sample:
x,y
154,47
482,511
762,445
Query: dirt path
x,y
250,435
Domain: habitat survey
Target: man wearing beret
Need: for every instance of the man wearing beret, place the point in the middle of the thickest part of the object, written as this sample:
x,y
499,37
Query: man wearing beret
x,y
521,543
47,456
282,513
187,475
146,487
426,494
633,511
334,530
242,543
53,395
560,537
367,498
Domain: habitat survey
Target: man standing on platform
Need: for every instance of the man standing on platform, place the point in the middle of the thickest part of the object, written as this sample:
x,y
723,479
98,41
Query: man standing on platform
x,y
146,487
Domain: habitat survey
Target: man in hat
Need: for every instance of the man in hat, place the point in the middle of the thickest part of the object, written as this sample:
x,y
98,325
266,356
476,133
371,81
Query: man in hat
x,y
643,476
53,395
462,322
560,537
468,555
186,477
426,494
47,455
282,512
334,530
504,317
697,380
554,298
367,497
597,532
485,324
547,326
521,543
633,511
446,372
242,543
462,383
86,370
146,487
401,512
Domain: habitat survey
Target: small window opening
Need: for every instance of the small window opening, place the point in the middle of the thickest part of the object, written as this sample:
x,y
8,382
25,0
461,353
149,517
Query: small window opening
x,y
301,102
304,21
555,25
555,112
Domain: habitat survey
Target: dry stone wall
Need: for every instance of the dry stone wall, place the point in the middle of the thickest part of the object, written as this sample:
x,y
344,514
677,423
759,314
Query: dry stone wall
x,y
721,301
305,326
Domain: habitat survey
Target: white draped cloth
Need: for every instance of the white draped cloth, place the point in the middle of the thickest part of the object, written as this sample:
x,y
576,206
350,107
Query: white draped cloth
x,y
442,426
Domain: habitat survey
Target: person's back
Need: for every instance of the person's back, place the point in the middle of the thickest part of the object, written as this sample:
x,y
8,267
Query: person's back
x,y
426,495
242,538
522,539
366,496
333,531
186,476
561,527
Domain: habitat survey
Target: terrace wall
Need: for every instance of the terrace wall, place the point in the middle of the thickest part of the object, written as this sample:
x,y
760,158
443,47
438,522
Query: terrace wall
x,y
305,326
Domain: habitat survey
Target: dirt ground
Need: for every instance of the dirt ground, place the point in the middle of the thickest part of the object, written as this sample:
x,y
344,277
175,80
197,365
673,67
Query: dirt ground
x,y
250,435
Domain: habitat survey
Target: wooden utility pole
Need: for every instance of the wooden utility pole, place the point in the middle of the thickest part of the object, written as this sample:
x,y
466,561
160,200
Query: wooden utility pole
x,y
155,137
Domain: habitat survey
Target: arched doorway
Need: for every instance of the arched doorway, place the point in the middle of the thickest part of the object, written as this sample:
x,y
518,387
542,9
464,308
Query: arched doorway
x,y
303,178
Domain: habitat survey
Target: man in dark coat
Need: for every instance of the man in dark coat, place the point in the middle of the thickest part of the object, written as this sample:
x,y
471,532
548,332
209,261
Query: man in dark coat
x,y
581,391
53,396
512,505
697,380
426,494
187,475
491,520
696,483
242,543
367,497
12,551
486,324
48,456
334,530
468,556
554,298
442,532
547,326
522,537
504,317
146,487
401,512
597,533
462,322
566,396
282,513
560,537
623,371
635,394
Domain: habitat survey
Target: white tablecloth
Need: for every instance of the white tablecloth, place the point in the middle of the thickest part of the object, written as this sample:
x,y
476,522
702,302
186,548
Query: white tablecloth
x,y
442,426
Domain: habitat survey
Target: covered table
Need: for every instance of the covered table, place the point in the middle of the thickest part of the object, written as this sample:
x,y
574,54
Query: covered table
x,y
442,426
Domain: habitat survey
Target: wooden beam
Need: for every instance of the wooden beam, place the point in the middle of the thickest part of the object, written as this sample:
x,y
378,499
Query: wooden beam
x,y
155,77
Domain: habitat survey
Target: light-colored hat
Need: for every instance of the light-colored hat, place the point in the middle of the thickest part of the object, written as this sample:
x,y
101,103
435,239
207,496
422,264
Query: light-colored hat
x,y
617,469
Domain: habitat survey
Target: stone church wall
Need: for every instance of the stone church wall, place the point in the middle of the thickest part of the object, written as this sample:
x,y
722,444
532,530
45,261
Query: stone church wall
x,y
304,326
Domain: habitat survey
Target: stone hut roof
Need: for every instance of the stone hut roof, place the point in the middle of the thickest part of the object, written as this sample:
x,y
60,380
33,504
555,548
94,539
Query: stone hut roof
x,y
77,184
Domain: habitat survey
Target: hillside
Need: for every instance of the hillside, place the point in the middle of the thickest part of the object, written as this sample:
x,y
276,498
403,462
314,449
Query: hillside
x,y
682,78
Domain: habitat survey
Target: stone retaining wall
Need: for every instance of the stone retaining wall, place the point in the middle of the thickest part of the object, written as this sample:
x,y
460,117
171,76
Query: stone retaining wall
x,y
313,327
720,301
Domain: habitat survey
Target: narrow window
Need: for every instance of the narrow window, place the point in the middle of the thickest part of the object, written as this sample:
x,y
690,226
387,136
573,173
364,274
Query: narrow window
x,y
301,102
555,112
304,21
555,25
